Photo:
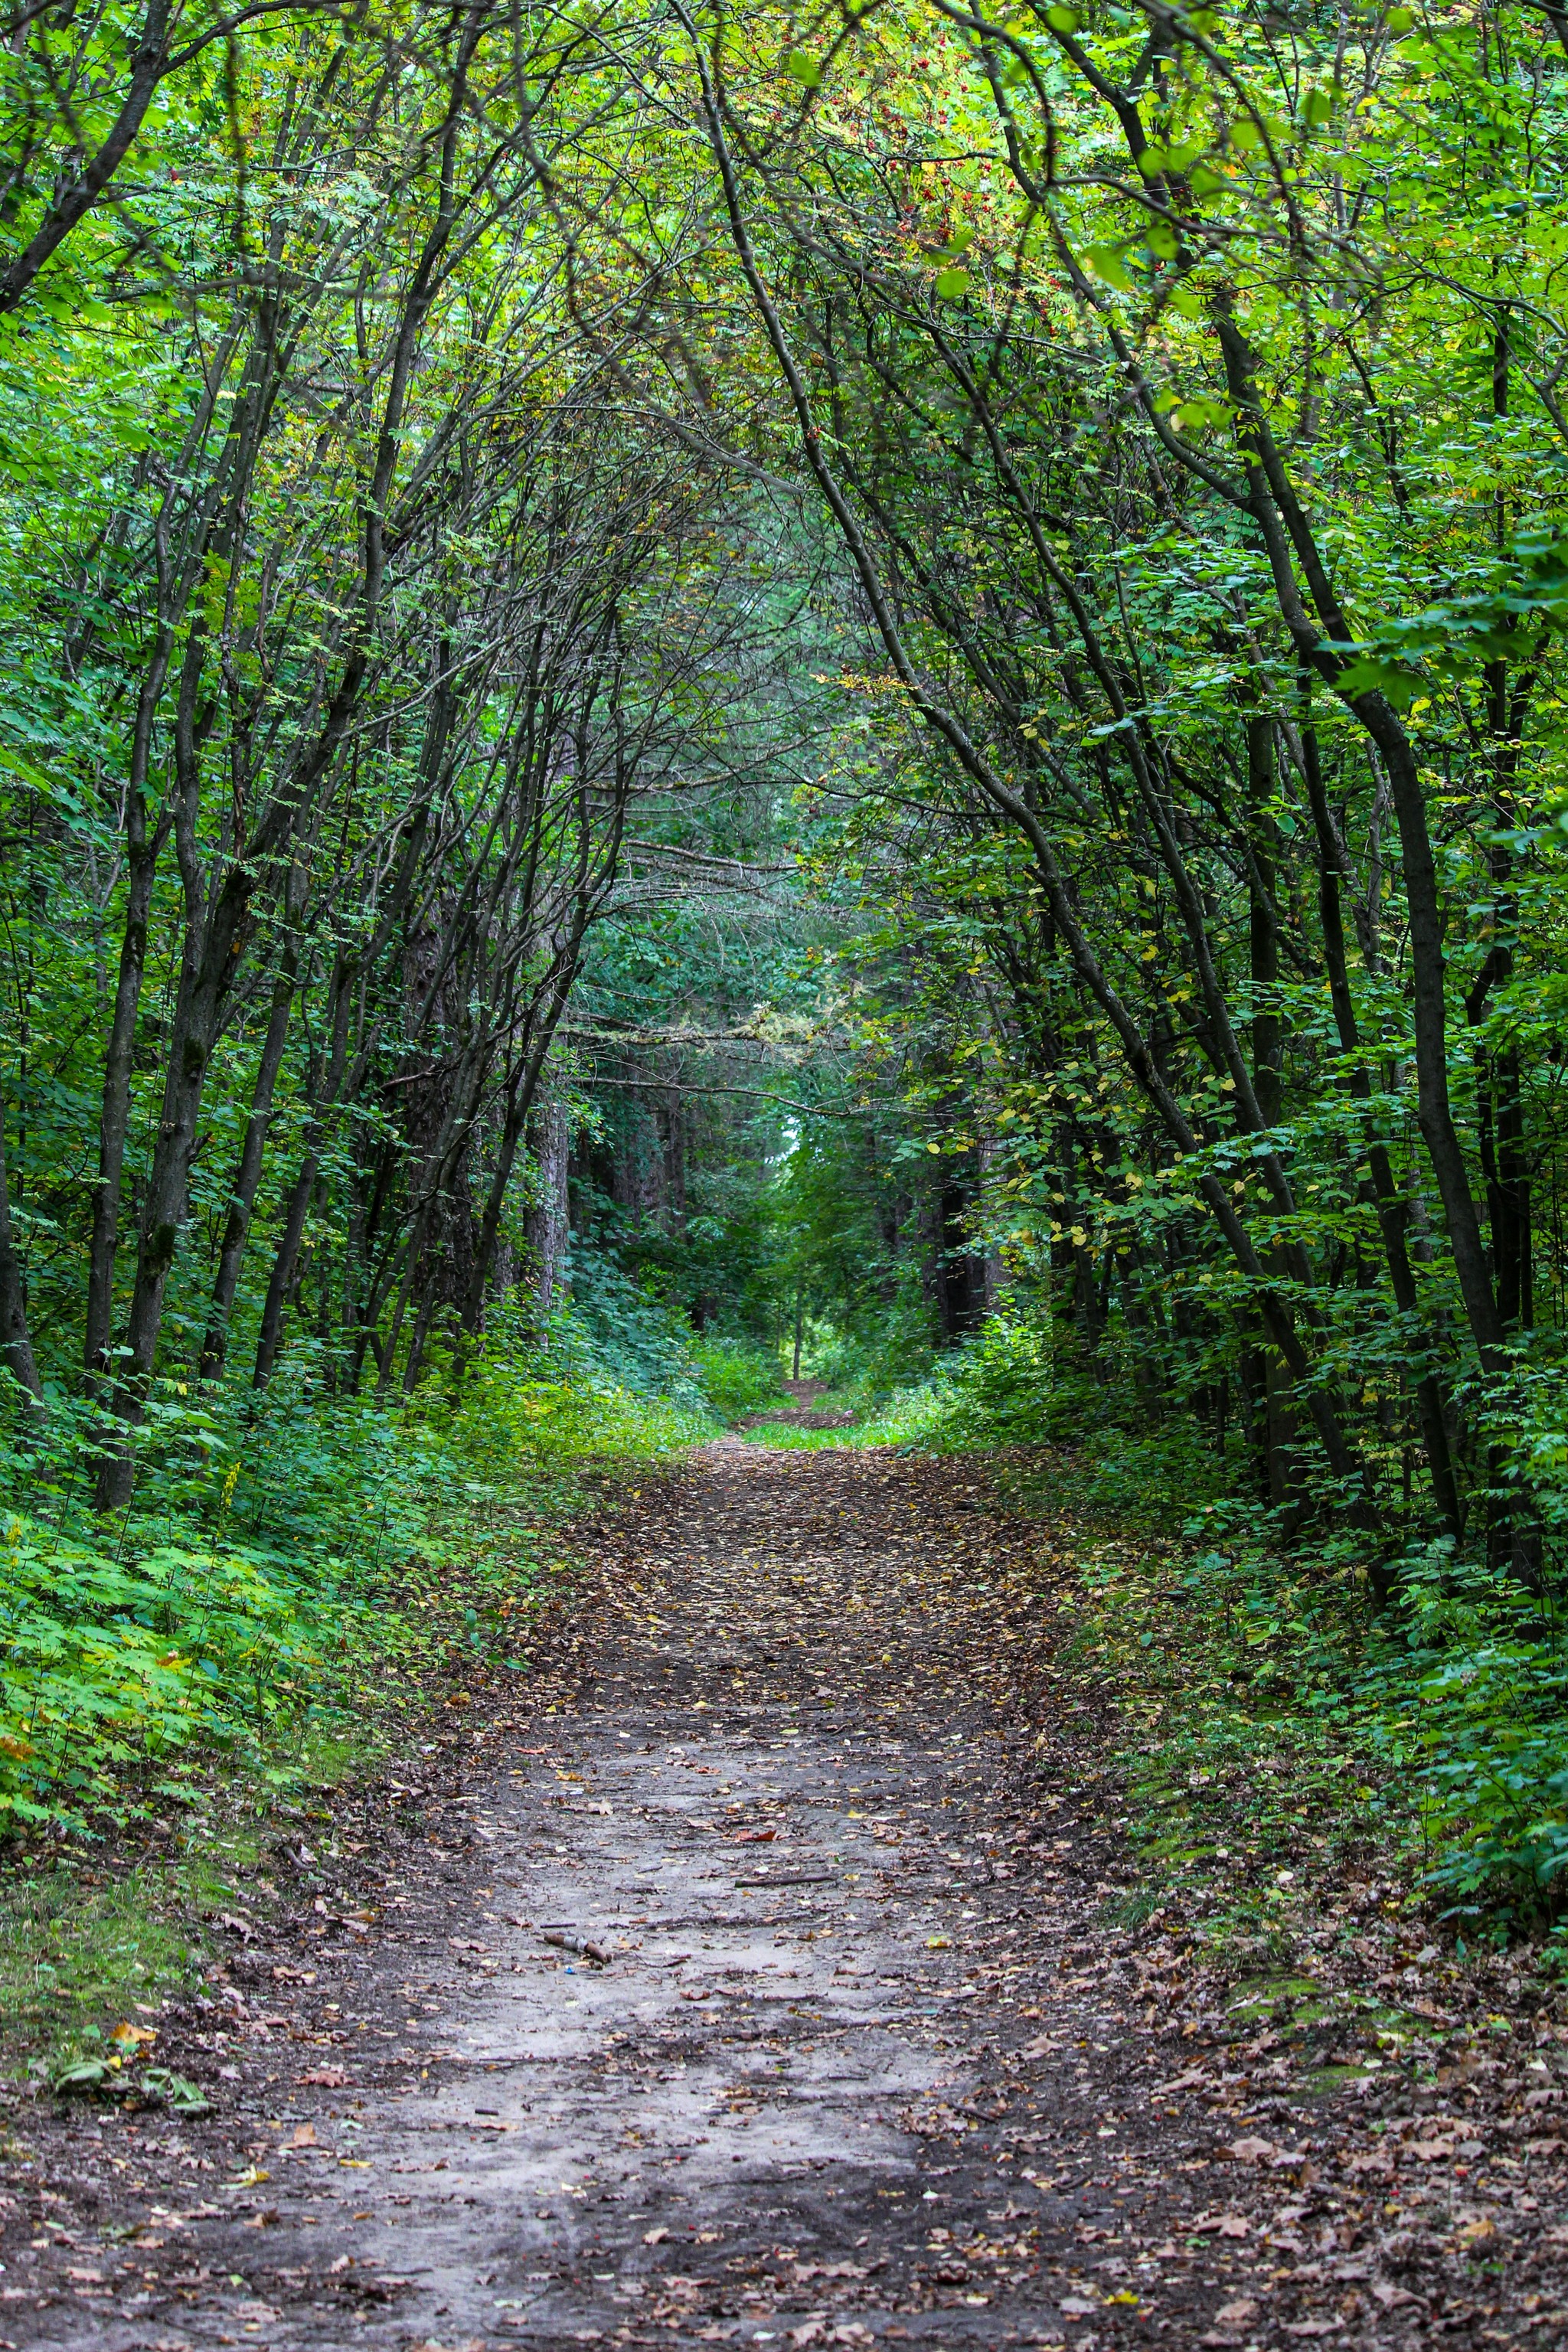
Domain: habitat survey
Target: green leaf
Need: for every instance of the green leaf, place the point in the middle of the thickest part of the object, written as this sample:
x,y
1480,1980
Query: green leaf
x,y
805,68
175,2091
1369,676
1107,264
1062,20
951,283
87,2076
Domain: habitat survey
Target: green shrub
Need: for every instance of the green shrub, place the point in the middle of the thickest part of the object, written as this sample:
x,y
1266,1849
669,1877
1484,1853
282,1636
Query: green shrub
x,y
1471,1705
286,1565
738,1376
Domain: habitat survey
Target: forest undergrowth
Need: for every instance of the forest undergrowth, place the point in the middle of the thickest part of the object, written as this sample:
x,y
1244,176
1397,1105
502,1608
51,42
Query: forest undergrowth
x,y
1295,1759
299,1592
300,1589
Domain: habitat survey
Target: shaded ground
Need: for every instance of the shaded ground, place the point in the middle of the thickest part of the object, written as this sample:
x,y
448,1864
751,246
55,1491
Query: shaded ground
x,y
762,1986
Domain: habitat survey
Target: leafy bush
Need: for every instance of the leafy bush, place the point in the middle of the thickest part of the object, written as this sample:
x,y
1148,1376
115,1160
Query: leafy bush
x,y
1261,1690
738,1376
105,1666
1472,1706
625,1334
286,1562
1001,1388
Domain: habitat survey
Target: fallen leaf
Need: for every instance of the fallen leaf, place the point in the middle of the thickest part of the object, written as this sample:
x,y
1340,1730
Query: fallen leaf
x,y
1251,2151
655,2237
1235,2312
330,2078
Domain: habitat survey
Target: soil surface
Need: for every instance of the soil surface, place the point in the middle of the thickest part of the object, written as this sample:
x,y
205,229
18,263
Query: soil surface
x,y
757,1983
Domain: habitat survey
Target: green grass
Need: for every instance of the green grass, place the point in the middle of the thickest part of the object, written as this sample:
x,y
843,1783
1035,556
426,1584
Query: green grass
x,y
84,1947
784,1437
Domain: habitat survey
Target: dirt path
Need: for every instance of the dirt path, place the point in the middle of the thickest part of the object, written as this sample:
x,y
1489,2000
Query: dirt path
x,y
760,1993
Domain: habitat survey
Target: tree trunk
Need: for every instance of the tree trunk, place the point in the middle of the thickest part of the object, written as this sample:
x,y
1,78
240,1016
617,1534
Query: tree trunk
x,y
114,1117
281,1283
1392,1208
1268,1037
247,1176
675,1163
547,1221
16,1340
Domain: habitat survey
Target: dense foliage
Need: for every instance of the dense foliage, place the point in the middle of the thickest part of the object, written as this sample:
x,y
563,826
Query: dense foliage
x,y
690,693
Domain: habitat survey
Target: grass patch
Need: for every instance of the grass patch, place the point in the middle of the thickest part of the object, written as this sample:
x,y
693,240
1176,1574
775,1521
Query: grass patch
x,y
784,1437
85,1947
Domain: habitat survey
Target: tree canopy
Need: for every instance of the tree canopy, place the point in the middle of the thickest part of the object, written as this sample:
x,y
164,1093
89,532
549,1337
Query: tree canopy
x,y
878,671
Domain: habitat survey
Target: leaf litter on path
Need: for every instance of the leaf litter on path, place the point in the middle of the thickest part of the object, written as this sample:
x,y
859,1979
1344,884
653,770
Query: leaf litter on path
x,y
911,2080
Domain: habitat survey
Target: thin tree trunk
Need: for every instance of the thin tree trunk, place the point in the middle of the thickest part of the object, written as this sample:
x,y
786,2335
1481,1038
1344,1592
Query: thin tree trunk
x,y
1268,1039
16,1340
547,1221
247,1176
281,1282
1393,1210
422,1322
114,1118
1285,530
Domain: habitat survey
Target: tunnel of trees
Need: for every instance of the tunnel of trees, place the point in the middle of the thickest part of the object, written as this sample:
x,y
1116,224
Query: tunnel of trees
x,y
680,677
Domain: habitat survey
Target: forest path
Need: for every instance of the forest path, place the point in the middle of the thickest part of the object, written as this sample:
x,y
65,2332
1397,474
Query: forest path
x,y
846,2065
